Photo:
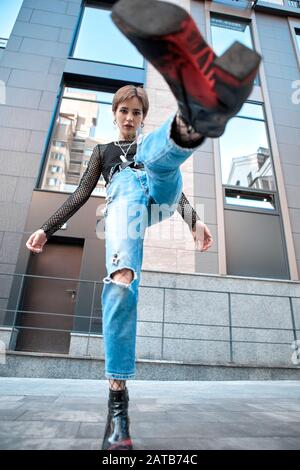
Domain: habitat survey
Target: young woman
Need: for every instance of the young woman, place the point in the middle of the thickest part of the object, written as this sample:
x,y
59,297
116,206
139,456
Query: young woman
x,y
143,171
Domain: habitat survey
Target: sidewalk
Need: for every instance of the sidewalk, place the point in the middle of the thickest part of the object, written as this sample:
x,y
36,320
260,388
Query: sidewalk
x,y
71,414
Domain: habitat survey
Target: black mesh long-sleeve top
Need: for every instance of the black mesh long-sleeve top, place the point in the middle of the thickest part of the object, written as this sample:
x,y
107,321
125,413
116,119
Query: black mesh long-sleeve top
x,y
103,159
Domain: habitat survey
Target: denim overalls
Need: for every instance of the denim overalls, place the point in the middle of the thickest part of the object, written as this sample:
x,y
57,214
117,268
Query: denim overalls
x,y
131,195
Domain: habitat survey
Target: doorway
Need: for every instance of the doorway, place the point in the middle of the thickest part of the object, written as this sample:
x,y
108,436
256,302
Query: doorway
x,y
48,304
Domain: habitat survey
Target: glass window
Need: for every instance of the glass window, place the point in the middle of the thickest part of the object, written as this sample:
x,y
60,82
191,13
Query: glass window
x,y
52,181
294,3
245,154
84,120
57,143
9,10
226,30
297,31
278,2
100,40
56,169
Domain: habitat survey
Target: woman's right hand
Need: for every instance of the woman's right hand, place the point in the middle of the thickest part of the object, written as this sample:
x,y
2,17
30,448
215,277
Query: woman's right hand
x,y
36,241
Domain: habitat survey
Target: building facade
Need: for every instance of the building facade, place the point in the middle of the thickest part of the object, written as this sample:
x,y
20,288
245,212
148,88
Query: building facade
x,y
60,64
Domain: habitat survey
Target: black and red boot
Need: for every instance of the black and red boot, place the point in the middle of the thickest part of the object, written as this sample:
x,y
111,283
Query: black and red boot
x,y
209,89
117,435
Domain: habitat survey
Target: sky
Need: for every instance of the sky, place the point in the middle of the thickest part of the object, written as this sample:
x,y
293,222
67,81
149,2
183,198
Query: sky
x,y
105,43
9,12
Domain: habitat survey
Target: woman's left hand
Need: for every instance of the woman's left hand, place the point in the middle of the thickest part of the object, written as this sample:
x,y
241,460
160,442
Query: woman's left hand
x,y
202,236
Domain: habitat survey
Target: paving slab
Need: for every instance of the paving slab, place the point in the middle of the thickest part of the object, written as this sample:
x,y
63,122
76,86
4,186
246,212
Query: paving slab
x,y
66,414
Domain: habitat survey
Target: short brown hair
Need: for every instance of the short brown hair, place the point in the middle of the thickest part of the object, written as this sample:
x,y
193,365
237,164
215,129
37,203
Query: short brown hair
x,y
131,91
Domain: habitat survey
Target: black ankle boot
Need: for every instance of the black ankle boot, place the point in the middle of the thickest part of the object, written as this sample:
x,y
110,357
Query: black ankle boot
x,y
209,90
116,435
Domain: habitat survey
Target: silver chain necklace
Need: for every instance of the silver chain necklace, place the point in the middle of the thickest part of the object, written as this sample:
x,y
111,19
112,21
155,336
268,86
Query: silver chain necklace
x,y
123,157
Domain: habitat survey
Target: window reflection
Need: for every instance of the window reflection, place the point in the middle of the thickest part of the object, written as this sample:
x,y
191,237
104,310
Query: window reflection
x,y
9,10
225,31
100,40
279,2
85,119
293,3
245,153
298,37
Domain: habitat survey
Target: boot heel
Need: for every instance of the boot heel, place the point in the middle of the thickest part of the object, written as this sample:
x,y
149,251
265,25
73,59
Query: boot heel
x,y
239,62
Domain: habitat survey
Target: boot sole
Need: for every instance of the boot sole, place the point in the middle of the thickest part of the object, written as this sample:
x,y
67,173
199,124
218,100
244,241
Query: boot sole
x,y
154,18
157,19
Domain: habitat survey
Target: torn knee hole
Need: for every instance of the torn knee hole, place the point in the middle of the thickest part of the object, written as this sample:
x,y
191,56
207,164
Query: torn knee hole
x,y
123,277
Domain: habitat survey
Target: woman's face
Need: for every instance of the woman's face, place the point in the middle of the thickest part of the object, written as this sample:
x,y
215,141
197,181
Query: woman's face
x,y
129,117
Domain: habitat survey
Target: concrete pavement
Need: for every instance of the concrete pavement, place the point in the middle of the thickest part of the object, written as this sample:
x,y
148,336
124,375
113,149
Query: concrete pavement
x,y
165,415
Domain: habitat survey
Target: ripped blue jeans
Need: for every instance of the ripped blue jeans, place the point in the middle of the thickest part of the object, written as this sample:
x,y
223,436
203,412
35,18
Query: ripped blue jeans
x,y
131,195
